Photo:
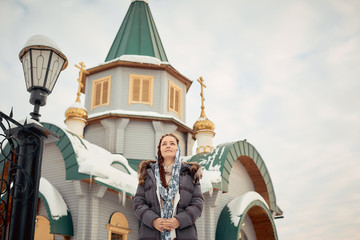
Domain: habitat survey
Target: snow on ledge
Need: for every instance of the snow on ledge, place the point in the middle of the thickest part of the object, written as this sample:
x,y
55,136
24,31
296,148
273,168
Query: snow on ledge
x,y
141,59
28,121
134,58
238,205
97,161
137,113
208,178
57,205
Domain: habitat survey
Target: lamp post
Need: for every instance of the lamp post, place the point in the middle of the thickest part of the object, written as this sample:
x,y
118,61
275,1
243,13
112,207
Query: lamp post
x,y
42,63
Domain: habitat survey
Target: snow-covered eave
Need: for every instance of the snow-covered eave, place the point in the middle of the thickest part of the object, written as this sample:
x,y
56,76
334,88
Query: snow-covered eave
x,y
118,190
138,114
238,205
58,212
210,178
88,156
136,61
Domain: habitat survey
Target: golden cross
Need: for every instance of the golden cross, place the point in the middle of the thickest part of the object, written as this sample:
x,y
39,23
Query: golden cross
x,y
81,85
201,81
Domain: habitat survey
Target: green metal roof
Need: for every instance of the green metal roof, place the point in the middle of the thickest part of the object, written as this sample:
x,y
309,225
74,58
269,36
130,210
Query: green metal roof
x,y
137,35
68,153
58,225
227,230
70,158
224,156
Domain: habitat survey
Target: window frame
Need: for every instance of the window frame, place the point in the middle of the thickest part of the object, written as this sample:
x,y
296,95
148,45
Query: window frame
x,y
102,81
176,89
120,226
142,78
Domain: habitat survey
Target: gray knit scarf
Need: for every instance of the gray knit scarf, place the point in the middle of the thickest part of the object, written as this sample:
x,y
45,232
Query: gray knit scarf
x,y
168,194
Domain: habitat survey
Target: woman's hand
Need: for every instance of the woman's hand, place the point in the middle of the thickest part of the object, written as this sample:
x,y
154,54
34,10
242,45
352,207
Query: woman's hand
x,y
171,223
158,224
166,224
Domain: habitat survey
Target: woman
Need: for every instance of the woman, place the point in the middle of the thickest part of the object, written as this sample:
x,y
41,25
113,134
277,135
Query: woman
x,y
168,199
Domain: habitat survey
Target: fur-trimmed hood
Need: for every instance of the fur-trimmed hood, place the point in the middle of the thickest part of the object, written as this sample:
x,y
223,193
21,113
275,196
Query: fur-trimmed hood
x,y
192,167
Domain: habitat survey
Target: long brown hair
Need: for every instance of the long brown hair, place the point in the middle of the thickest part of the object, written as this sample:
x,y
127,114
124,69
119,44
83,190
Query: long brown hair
x,y
161,159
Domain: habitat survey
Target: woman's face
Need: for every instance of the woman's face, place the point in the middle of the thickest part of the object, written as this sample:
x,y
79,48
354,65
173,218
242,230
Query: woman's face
x,y
168,147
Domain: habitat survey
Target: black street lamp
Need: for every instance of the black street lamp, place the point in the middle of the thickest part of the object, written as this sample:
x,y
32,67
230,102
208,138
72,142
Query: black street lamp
x,y
42,63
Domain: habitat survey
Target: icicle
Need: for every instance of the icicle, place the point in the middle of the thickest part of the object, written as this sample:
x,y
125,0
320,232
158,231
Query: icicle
x,y
90,180
211,192
120,198
123,198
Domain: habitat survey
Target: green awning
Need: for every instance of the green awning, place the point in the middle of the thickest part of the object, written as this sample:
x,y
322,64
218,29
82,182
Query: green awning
x,y
224,156
233,214
54,203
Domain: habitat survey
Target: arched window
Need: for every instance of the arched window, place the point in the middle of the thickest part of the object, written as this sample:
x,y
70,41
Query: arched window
x,y
118,227
42,229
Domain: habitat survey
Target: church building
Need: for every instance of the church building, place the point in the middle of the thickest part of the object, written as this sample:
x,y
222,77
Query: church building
x,y
89,176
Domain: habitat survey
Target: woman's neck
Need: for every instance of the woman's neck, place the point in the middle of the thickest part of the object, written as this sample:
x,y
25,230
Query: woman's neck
x,y
168,162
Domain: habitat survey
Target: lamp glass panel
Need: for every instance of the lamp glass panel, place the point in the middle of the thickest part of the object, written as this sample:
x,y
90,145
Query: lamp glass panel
x,y
40,60
26,62
56,64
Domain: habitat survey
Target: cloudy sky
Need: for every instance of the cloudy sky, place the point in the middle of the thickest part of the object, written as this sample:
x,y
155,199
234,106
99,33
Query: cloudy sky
x,y
285,75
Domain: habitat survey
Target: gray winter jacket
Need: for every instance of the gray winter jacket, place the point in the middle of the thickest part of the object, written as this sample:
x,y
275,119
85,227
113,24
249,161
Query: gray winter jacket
x,y
147,207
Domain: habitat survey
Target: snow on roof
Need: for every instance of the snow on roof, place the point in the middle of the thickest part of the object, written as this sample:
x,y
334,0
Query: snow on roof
x,y
77,105
211,169
137,113
28,121
41,40
208,176
57,205
97,161
211,160
134,58
237,206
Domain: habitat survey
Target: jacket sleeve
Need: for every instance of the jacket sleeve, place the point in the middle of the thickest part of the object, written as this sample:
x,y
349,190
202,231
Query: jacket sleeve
x,y
141,210
193,211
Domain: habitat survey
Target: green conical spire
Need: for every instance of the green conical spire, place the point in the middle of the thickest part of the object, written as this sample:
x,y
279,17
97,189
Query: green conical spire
x,y
137,35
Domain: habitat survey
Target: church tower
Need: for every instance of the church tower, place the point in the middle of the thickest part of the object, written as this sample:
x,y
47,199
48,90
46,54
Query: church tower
x,y
203,127
136,96
76,114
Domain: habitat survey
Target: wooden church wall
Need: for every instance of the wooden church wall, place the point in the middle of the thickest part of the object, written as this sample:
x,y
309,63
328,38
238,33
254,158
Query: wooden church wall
x,y
111,203
183,142
53,169
139,143
249,228
95,134
205,223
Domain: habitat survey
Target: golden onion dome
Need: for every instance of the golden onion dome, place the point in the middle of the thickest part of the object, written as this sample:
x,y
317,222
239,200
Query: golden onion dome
x,y
76,110
203,123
